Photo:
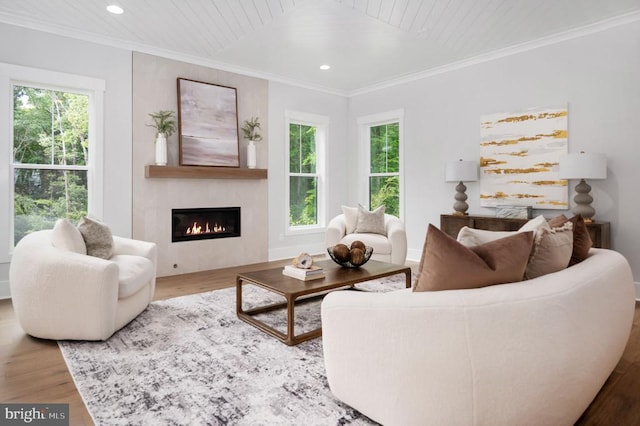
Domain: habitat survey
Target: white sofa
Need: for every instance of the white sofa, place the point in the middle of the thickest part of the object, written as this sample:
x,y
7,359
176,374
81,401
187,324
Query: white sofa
x,y
533,352
391,247
60,294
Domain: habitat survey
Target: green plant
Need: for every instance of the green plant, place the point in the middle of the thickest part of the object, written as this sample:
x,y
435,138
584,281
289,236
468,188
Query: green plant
x,y
250,129
163,122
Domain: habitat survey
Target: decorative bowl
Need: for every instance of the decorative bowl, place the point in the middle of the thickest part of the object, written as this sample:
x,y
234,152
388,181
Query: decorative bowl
x,y
368,251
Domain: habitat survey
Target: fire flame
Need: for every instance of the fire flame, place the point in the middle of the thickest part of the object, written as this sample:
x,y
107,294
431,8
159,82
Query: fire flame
x,y
197,229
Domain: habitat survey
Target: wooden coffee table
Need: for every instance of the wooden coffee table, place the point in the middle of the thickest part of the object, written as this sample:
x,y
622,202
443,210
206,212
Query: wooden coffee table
x,y
291,289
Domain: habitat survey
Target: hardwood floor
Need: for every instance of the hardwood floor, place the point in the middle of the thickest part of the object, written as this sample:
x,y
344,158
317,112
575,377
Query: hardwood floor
x,y
33,370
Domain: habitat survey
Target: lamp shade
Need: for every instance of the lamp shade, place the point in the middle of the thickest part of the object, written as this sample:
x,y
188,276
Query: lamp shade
x,y
459,171
583,166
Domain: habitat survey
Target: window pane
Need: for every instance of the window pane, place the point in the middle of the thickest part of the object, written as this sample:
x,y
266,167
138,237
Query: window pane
x,y
302,201
42,196
385,190
385,144
50,127
302,149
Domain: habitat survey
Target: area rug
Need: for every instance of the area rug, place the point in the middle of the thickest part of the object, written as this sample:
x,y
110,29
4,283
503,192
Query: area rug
x,y
191,361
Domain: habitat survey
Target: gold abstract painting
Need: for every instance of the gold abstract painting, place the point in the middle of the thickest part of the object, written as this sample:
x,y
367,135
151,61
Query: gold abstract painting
x,y
519,155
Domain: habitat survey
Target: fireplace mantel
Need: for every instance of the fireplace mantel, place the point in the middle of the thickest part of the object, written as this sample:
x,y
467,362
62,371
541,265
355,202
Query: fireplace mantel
x,y
199,172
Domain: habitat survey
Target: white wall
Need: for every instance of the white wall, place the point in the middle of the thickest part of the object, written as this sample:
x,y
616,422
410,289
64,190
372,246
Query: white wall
x,y
283,97
30,48
597,75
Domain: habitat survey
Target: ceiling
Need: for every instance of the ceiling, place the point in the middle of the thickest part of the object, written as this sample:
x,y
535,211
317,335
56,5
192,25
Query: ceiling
x,y
368,43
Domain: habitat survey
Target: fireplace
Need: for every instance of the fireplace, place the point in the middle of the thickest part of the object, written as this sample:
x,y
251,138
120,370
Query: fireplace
x,y
205,223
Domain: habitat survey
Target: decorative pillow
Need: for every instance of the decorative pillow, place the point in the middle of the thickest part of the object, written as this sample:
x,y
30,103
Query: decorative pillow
x,y
581,238
551,252
448,265
67,237
473,237
97,236
370,222
350,218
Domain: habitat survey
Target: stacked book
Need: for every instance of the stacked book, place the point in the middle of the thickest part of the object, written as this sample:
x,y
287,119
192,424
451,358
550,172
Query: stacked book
x,y
312,273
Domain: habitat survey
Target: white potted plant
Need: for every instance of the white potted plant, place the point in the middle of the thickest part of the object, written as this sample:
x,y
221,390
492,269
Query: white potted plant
x,y
165,124
250,132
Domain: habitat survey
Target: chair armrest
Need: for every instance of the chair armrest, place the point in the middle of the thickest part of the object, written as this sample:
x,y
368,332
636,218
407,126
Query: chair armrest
x,y
132,247
336,230
397,236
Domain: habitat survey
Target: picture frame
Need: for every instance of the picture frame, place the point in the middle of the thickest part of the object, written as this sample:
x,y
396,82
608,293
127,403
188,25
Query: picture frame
x,y
207,124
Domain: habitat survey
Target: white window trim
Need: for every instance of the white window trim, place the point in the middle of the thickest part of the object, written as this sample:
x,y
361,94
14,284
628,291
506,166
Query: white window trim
x,y
321,123
11,75
364,124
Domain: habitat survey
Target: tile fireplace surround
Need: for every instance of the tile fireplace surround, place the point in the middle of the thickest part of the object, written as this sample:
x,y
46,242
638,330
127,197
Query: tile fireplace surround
x,y
154,88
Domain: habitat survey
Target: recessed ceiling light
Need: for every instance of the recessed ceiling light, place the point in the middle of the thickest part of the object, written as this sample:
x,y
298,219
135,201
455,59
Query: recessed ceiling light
x,y
325,67
115,9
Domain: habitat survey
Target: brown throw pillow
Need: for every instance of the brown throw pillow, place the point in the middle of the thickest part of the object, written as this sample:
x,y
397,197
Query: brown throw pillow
x,y
581,238
448,265
551,252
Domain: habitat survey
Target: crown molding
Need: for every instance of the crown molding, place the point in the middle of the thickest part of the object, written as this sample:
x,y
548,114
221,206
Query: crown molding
x,y
199,60
508,51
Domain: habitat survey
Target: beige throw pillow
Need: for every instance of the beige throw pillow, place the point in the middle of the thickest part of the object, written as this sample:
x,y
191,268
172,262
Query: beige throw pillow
x,y
551,252
448,265
98,238
370,222
350,218
66,236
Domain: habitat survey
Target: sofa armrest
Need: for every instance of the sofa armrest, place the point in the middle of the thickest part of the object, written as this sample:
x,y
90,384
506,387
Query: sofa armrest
x,y
132,247
336,230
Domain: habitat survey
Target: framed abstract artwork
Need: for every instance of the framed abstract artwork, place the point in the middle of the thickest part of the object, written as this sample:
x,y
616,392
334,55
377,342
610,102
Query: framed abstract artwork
x,y
207,124
519,158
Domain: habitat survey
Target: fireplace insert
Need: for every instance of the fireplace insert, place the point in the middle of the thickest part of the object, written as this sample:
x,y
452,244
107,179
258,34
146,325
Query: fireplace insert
x,y
205,223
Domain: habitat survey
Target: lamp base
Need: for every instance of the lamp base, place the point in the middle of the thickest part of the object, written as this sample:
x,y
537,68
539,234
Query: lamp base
x,y
460,214
583,202
460,206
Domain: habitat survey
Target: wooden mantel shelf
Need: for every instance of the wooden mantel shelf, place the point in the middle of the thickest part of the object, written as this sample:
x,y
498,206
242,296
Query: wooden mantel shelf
x,y
197,172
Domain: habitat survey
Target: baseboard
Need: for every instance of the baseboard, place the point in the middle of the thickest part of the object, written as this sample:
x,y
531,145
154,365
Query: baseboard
x,y
293,251
4,290
414,255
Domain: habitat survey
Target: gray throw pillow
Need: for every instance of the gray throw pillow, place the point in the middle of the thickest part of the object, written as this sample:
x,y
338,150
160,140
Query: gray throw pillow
x,y
370,222
97,237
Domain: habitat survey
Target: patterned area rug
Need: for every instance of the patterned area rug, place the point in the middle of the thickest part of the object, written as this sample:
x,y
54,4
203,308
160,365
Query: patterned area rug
x,y
191,361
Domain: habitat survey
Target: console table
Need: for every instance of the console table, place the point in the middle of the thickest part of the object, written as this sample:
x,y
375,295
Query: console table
x,y
600,232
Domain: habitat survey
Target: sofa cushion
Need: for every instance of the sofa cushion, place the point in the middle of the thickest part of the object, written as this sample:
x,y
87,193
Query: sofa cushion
x,y
97,236
551,251
66,236
370,222
134,272
448,265
581,239
379,243
350,218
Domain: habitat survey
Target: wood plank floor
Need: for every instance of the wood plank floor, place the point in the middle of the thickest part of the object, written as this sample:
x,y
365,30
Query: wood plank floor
x,y
33,370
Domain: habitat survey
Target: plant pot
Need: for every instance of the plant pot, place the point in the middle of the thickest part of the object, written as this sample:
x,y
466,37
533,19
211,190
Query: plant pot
x,y
161,150
251,155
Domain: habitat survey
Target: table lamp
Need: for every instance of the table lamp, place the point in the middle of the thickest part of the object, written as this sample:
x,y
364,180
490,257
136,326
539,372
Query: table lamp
x,y
459,171
583,166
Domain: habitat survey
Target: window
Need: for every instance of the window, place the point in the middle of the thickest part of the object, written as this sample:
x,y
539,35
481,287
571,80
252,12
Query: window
x,y
50,153
55,138
382,140
305,152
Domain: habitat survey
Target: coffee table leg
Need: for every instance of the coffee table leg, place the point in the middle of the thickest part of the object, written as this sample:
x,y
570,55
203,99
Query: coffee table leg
x,y
408,278
290,323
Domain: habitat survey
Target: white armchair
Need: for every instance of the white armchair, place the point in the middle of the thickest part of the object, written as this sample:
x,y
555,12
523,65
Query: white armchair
x,y
391,247
61,294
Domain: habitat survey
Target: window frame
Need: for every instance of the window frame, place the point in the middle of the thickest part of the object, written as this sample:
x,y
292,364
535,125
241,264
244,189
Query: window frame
x,y
15,75
321,124
365,123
